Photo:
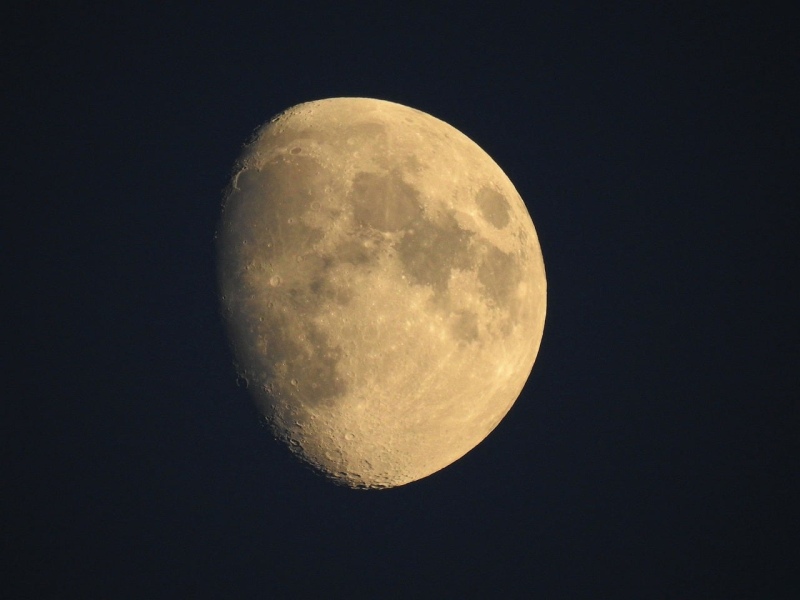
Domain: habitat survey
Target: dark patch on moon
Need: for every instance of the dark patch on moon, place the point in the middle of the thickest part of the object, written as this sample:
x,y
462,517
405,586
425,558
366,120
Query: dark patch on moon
x,y
411,163
263,225
297,362
493,207
323,289
465,327
316,373
356,252
360,133
500,274
429,251
384,201
272,199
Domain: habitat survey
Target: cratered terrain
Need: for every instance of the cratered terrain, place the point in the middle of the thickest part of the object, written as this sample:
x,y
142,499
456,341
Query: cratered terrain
x,y
383,288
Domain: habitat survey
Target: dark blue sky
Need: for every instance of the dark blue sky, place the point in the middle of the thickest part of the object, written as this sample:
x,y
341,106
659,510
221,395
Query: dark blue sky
x,y
652,454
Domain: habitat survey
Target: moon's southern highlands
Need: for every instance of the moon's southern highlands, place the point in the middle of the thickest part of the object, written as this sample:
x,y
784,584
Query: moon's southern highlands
x,y
383,288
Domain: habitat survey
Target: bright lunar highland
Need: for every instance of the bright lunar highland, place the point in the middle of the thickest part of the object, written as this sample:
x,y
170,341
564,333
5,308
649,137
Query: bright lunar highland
x,y
382,285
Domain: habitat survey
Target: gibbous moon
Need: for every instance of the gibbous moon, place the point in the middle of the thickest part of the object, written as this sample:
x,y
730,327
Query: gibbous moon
x,y
382,285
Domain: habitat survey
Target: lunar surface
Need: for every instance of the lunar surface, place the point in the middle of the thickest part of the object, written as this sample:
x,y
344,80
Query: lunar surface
x,y
383,288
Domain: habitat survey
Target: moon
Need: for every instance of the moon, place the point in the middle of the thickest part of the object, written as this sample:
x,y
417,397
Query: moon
x,y
382,285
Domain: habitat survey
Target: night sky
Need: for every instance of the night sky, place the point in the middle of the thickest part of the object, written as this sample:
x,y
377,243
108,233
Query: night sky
x,y
653,452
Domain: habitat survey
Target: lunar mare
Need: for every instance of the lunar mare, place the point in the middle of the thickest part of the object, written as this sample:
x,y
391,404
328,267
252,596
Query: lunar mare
x,y
383,288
